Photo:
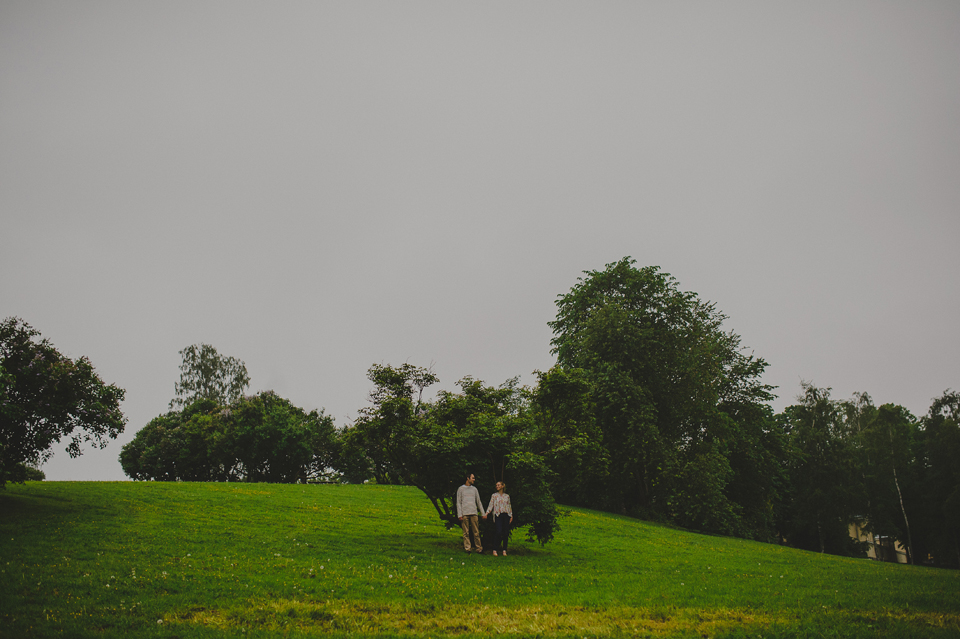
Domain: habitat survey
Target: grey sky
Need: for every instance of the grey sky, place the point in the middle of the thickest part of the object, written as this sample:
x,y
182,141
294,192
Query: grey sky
x,y
315,187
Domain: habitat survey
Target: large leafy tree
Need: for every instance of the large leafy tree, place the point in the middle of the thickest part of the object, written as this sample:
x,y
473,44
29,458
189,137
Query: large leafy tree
x,y
433,445
206,374
672,391
46,396
262,438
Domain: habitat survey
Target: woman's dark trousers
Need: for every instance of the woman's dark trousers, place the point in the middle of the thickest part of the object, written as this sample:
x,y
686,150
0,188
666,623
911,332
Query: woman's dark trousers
x,y
502,522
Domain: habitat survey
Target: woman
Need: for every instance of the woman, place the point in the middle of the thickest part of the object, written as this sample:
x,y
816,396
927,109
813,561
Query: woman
x,y
502,517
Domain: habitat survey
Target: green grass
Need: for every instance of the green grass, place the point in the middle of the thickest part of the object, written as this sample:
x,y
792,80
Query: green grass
x,y
261,560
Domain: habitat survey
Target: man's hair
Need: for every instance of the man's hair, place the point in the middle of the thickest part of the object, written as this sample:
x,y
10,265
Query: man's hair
x,y
467,476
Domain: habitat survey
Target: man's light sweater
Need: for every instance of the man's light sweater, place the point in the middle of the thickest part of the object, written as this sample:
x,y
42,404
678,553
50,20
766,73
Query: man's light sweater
x,y
468,501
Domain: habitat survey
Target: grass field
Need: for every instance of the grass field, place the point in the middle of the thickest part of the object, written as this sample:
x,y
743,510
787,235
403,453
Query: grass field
x,y
264,560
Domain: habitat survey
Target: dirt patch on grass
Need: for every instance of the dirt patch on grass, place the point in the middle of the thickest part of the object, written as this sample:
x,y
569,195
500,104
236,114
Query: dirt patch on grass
x,y
545,621
366,618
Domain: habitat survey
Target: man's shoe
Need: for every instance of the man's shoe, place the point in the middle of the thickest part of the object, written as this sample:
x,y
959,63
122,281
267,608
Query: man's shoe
x,y
494,553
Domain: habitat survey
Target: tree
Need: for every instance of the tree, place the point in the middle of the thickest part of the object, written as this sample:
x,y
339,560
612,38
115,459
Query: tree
x,y
485,427
888,440
35,474
825,487
277,442
433,445
387,426
205,374
353,464
941,439
263,438
567,436
670,388
44,397
182,445
757,451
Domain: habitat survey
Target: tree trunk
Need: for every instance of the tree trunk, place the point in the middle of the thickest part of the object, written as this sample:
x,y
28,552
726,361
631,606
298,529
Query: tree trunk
x,y
905,520
893,464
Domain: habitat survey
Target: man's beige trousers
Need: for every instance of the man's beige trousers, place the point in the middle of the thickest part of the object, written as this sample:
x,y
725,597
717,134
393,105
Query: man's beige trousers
x,y
470,524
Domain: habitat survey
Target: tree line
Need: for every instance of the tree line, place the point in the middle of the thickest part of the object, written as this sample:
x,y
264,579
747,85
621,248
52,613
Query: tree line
x,y
652,410
893,474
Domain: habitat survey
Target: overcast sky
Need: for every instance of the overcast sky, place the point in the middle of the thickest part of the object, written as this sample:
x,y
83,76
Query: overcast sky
x,y
316,187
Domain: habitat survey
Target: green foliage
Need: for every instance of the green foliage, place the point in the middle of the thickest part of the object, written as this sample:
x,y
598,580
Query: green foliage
x,y
179,446
941,486
696,498
889,441
434,445
565,431
389,431
206,374
674,399
353,464
26,473
34,474
486,431
758,453
189,560
44,397
826,493
262,438
894,475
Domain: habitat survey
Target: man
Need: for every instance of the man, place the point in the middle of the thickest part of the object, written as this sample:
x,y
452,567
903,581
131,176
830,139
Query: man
x,y
468,509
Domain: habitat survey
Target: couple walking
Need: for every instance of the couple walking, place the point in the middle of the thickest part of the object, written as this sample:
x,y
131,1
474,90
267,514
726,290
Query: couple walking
x,y
469,508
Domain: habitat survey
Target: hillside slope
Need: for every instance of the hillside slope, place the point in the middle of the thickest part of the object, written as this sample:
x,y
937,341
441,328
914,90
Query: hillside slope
x,y
159,559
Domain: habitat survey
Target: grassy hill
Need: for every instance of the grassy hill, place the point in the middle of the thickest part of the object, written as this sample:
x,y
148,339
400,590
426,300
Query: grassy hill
x,y
242,560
